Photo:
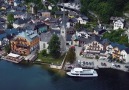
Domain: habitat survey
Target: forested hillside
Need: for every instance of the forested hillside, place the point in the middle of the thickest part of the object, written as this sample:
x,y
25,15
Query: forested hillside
x,y
105,8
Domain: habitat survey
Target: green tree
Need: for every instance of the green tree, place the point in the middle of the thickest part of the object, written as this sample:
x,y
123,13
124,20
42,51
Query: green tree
x,y
44,52
7,48
96,57
105,8
35,10
54,46
71,55
10,18
9,26
117,36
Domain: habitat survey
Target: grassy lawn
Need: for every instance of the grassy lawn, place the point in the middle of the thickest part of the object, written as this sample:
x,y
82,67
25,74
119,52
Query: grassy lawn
x,y
50,60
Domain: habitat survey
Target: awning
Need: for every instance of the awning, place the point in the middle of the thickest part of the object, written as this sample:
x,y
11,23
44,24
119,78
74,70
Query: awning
x,y
13,55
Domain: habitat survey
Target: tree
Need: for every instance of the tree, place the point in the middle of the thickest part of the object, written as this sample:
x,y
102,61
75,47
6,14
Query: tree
x,y
117,36
104,8
71,55
7,48
54,46
10,18
44,52
9,26
35,10
96,57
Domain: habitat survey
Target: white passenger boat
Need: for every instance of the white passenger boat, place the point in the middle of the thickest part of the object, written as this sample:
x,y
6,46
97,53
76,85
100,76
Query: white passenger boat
x,y
79,72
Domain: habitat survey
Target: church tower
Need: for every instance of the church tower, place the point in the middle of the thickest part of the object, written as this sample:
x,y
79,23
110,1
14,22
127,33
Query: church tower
x,y
63,32
63,26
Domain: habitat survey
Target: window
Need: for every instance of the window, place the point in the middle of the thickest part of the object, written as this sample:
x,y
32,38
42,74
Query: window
x,y
43,45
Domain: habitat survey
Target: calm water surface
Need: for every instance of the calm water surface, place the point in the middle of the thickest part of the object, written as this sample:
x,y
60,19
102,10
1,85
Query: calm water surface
x,y
18,77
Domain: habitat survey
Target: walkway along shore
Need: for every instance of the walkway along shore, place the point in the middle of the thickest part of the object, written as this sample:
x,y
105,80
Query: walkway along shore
x,y
60,66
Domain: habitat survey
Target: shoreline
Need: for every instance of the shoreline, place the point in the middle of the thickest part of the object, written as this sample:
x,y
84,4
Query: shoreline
x,y
57,67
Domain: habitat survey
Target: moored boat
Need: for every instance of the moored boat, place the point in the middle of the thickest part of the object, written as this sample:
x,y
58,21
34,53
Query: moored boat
x,y
79,72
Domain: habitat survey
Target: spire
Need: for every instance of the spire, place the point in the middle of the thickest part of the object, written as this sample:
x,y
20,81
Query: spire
x,y
63,18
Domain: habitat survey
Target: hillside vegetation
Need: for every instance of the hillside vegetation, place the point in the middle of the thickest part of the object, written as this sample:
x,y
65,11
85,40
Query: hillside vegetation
x,y
105,8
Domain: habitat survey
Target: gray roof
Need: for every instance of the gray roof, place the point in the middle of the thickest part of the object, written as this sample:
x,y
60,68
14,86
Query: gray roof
x,y
45,37
68,37
120,46
72,13
90,39
2,27
55,31
117,18
127,50
28,34
21,21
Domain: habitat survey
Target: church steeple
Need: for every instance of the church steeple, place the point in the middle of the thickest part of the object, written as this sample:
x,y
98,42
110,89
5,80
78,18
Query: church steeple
x,y
63,26
63,32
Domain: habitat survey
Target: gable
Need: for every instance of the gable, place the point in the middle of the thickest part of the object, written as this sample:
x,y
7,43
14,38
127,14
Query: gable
x,y
119,22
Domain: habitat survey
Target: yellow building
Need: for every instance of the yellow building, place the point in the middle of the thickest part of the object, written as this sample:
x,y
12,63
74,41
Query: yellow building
x,y
116,53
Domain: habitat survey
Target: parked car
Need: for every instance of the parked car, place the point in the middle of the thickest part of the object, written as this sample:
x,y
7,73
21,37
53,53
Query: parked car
x,y
126,66
90,63
103,64
113,64
117,66
86,63
109,60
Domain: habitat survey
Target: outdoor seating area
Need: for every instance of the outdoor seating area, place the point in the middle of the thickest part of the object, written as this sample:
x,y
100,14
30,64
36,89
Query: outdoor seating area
x,y
13,58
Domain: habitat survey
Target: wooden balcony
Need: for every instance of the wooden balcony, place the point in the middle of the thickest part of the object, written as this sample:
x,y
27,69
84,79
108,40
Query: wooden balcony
x,y
22,45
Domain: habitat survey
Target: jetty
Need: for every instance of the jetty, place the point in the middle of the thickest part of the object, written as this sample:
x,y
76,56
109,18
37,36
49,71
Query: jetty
x,y
15,58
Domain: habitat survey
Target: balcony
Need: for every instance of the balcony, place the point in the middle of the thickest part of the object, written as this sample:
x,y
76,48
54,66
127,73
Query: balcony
x,y
22,45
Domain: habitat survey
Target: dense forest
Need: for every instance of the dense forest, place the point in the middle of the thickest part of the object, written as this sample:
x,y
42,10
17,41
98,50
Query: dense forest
x,y
105,8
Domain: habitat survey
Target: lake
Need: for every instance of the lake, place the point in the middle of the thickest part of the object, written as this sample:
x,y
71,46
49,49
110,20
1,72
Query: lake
x,y
21,77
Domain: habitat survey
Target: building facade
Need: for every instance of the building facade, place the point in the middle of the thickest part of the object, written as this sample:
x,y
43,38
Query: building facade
x,y
25,43
118,24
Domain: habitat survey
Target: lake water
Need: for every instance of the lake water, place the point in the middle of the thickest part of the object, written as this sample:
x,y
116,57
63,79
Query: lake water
x,y
19,77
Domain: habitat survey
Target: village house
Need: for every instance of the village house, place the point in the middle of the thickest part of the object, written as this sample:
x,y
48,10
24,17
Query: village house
x,y
93,47
44,41
72,14
16,2
2,36
82,19
40,27
116,52
118,22
99,31
60,13
7,35
46,37
124,55
46,14
80,38
72,21
20,23
25,43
